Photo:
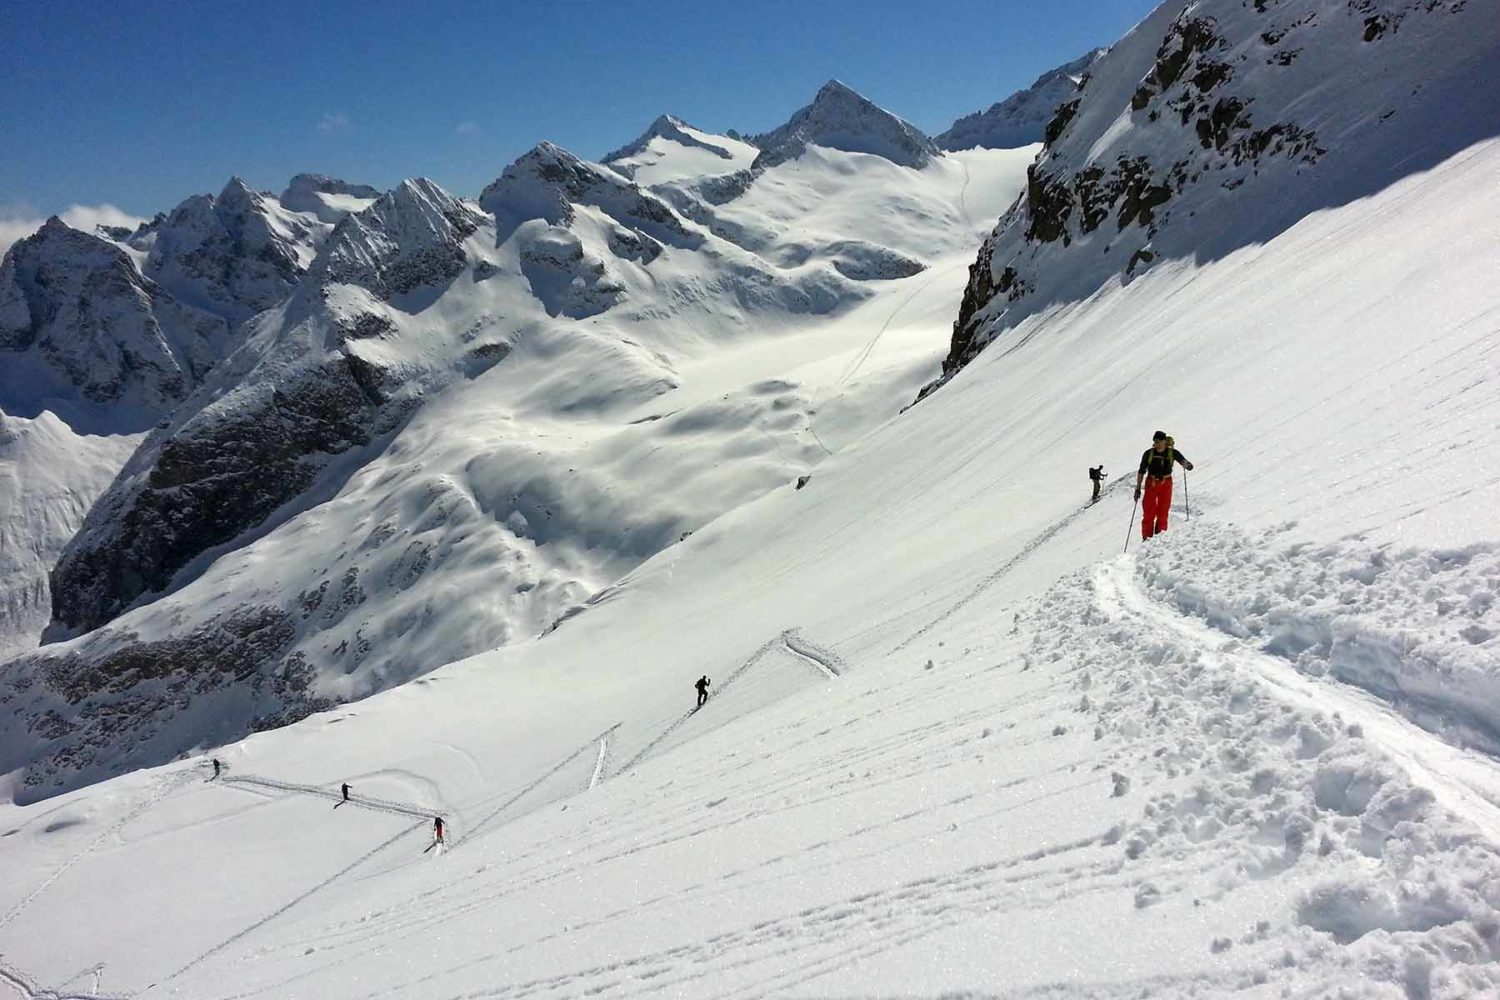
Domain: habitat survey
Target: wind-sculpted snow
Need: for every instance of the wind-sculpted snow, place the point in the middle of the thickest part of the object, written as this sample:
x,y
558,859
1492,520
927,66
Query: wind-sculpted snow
x,y
1220,125
1021,119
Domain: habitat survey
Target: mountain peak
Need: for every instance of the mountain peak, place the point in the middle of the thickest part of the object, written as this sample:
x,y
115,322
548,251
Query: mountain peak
x,y
1021,118
839,117
672,129
328,198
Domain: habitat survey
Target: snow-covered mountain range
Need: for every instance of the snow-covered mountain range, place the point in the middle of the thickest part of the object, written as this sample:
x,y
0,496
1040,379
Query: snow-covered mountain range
x,y
511,401
518,470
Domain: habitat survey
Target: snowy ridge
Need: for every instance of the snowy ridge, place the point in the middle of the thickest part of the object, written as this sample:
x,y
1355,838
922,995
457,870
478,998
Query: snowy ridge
x,y
1021,119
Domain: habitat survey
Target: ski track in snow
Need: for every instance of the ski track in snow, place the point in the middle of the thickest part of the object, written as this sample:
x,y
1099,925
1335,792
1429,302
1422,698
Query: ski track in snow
x,y
1464,782
989,581
599,741
24,987
599,764
165,787
826,661
294,901
362,801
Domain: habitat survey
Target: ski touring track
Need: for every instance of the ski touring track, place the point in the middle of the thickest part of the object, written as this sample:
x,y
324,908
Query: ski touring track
x,y
362,801
1464,782
164,787
263,921
23,986
994,577
827,663
601,741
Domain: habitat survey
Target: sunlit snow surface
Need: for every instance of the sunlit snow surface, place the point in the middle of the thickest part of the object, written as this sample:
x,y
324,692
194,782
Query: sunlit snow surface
x,y
957,744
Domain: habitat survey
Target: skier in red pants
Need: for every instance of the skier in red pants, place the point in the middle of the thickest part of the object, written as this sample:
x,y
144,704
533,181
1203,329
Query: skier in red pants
x,y
1156,471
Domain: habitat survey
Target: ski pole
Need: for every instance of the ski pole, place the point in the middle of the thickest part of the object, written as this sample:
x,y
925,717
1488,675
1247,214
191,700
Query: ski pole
x,y
1187,510
1131,525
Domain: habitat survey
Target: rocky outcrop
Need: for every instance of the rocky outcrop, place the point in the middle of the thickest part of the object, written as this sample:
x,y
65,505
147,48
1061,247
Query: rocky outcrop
x,y
235,255
1023,117
78,319
839,118
1195,135
110,704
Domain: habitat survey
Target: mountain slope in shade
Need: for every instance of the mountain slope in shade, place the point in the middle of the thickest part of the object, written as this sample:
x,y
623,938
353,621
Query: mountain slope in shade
x,y
1217,127
1021,119
326,198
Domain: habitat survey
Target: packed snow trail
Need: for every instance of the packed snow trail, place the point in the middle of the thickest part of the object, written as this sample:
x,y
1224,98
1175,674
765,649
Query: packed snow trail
x,y
163,789
364,802
1464,782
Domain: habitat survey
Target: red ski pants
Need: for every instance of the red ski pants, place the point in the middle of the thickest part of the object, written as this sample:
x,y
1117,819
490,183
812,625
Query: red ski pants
x,y
1155,505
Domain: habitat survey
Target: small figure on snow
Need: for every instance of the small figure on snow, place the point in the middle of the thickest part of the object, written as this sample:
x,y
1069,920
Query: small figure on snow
x,y
702,685
345,789
1156,470
217,768
437,830
1097,474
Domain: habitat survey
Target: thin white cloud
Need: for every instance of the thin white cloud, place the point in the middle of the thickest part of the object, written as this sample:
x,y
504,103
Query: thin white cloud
x,y
19,221
334,122
466,128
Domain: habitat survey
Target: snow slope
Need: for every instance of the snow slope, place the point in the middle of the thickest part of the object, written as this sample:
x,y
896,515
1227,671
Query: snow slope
x,y
469,421
1021,119
958,744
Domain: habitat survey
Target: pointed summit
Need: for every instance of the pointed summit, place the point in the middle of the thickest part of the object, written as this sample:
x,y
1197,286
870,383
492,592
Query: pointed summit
x,y
411,237
672,129
840,118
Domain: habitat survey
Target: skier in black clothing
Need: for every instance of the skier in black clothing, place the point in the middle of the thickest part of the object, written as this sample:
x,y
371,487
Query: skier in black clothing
x,y
1097,474
437,830
217,767
345,788
702,685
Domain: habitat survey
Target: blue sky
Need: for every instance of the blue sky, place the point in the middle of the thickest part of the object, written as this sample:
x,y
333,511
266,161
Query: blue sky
x,y
140,104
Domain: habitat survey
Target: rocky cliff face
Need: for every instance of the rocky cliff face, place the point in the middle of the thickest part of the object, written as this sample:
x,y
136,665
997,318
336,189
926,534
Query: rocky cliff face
x,y
840,118
79,320
1199,133
1021,119
235,255
300,392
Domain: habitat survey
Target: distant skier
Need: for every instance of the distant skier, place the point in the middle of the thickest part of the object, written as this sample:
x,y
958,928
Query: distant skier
x,y
1097,474
217,767
437,830
702,685
1156,470
345,789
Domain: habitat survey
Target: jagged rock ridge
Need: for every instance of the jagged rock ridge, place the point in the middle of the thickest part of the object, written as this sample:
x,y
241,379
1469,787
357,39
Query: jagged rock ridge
x,y
1194,135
